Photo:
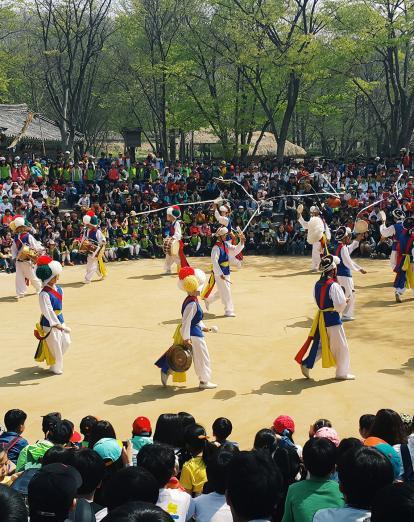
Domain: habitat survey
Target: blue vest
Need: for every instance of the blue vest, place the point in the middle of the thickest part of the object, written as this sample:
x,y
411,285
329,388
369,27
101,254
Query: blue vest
x,y
21,239
92,234
342,270
398,230
224,259
195,329
324,301
56,305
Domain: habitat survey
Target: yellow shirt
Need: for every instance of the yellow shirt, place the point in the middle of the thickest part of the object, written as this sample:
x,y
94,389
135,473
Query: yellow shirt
x,y
193,475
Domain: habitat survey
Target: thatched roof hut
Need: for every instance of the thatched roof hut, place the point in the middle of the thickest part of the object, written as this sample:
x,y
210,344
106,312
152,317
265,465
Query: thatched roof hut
x,y
268,146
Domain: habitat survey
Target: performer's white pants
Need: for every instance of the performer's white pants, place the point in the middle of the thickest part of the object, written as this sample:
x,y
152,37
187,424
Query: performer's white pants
x,y
58,343
348,284
92,267
223,292
201,358
316,255
25,270
339,349
393,259
169,261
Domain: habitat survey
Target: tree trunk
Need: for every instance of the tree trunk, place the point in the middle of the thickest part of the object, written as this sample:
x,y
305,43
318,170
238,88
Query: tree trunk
x,y
293,91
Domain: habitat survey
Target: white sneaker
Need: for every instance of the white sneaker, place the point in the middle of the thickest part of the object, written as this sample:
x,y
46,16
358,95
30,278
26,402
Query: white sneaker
x,y
207,386
348,377
230,314
164,378
305,371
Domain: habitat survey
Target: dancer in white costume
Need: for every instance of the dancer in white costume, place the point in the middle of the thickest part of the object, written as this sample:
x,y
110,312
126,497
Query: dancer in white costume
x,y
327,338
220,275
24,244
343,251
192,329
223,216
318,244
51,330
92,234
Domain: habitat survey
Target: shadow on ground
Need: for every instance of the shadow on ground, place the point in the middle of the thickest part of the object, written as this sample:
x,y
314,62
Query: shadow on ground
x,y
153,392
291,386
406,368
22,375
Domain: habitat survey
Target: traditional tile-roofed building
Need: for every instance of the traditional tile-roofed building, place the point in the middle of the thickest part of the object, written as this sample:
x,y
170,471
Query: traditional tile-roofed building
x,y
23,129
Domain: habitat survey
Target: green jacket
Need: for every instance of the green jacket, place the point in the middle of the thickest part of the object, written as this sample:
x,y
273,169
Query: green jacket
x,y
31,456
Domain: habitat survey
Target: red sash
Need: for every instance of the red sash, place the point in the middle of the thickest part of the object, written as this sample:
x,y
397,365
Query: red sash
x,y
51,291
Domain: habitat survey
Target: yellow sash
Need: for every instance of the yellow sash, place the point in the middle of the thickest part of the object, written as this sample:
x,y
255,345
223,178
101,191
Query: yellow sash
x,y
328,359
43,352
178,339
409,275
101,264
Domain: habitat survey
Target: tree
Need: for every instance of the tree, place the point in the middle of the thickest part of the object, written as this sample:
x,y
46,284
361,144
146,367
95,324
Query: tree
x,y
72,36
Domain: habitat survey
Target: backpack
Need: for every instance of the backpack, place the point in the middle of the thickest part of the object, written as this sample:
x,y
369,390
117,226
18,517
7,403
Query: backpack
x,y
407,464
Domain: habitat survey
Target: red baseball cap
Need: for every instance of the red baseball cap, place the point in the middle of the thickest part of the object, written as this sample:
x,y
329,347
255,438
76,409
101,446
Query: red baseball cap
x,y
141,425
282,423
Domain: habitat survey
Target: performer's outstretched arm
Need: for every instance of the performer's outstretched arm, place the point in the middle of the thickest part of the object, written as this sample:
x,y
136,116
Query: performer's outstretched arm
x,y
305,224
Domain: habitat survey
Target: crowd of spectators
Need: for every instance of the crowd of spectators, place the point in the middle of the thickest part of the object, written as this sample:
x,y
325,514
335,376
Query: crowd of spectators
x,y
180,473
53,196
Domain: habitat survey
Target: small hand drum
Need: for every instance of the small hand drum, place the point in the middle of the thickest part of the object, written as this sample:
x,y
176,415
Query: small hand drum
x,y
383,216
171,246
179,358
360,226
299,210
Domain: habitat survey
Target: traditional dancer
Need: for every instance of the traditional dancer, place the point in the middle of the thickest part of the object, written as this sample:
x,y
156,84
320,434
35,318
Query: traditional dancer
x,y
315,224
191,331
25,249
394,231
223,216
173,217
95,237
404,235
53,334
221,272
343,251
327,336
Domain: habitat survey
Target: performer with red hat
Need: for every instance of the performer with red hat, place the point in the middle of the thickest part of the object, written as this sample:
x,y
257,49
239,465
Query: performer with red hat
x,y
25,249
51,331
327,338
191,331
94,238
175,233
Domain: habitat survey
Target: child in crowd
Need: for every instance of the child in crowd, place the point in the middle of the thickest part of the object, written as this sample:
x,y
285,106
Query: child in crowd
x,y
222,429
193,475
305,498
86,426
141,436
365,424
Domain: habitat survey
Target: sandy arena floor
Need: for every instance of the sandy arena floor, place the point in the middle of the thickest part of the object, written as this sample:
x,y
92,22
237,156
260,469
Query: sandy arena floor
x,y
121,325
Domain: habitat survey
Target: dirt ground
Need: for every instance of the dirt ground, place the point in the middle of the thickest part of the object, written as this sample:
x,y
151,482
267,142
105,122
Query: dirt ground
x,y
120,326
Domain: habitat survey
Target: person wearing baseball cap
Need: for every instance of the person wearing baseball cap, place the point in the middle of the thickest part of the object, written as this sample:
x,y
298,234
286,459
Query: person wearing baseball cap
x,y
52,492
327,338
141,436
220,254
